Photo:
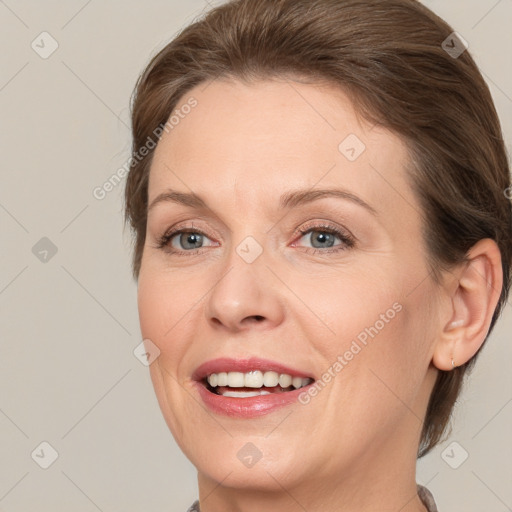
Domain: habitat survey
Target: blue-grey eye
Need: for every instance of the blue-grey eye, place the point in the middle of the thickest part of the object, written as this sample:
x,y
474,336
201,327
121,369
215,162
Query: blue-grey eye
x,y
321,239
190,240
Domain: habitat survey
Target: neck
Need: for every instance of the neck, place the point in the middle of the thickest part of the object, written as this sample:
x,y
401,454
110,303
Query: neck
x,y
219,498
383,479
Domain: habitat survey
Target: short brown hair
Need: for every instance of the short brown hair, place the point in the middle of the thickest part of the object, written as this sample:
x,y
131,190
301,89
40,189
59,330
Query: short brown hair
x,y
388,55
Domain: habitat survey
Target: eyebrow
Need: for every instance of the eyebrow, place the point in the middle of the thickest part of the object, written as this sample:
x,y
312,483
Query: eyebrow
x,y
288,200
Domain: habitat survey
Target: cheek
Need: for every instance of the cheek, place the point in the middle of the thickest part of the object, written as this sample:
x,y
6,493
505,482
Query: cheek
x,y
374,331
389,370
152,304
351,305
163,310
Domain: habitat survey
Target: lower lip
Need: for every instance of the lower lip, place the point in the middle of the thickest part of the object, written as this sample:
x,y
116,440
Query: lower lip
x,y
250,407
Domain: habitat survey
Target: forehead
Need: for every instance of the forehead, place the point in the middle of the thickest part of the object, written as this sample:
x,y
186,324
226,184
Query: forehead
x,y
275,135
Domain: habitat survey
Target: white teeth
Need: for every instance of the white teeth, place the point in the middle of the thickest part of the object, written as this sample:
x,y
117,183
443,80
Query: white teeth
x,y
270,379
285,380
256,379
235,380
297,382
244,394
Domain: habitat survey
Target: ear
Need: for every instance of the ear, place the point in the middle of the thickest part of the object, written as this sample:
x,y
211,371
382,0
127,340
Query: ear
x,y
474,295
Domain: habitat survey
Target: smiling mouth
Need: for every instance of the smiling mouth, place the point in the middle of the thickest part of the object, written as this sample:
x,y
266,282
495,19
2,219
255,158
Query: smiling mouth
x,y
253,383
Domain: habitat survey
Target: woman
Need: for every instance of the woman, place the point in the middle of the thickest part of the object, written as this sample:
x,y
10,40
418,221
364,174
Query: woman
x,y
322,246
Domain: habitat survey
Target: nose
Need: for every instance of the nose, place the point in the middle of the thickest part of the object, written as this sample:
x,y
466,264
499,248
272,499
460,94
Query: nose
x,y
245,296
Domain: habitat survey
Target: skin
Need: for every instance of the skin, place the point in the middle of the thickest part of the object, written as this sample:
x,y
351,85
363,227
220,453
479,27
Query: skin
x,y
353,447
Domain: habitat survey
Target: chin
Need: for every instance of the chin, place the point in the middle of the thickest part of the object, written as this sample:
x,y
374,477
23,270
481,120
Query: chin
x,y
248,462
262,477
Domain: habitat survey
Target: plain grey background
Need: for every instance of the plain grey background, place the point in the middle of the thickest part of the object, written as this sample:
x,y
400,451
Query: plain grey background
x,y
69,321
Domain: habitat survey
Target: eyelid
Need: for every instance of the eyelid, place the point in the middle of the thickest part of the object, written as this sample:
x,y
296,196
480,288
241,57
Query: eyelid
x,y
164,240
321,225
348,240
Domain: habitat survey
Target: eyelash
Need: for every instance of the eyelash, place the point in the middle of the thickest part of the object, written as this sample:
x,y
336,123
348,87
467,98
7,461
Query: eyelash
x,y
348,241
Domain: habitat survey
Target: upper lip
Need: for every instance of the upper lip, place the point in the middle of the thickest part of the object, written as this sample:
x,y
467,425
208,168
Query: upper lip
x,y
226,364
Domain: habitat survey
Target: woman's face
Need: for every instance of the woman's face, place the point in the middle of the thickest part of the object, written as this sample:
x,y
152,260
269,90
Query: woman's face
x,y
307,283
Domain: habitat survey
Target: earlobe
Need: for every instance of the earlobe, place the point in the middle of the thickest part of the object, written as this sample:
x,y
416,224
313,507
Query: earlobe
x,y
473,302
447,354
